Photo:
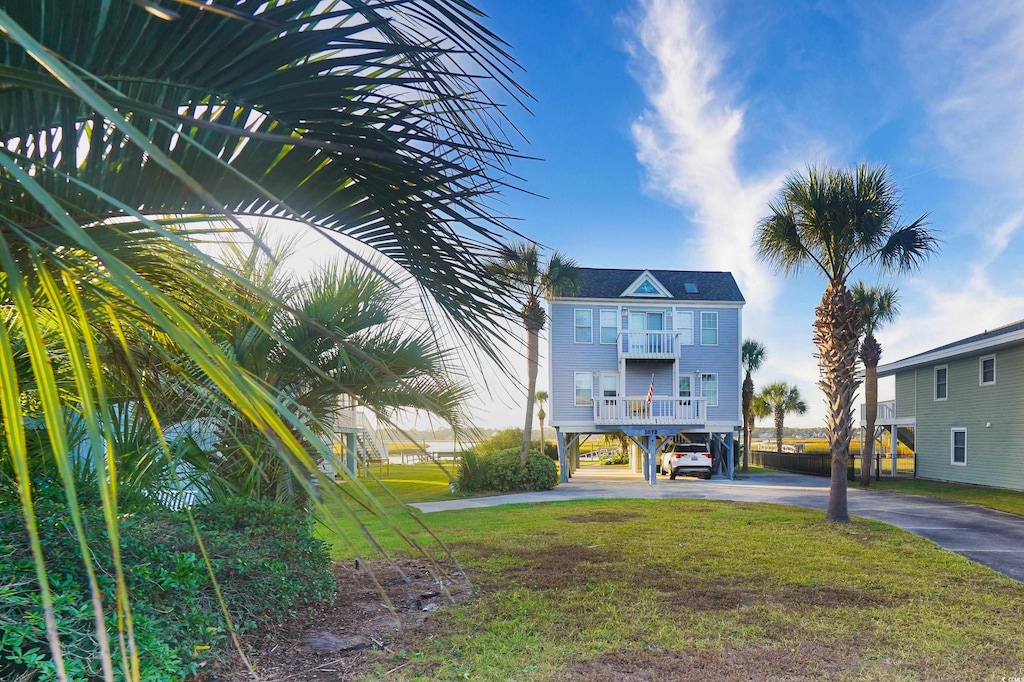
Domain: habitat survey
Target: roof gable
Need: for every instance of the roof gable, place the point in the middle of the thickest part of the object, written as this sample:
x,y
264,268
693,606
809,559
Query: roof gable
x,y
647,286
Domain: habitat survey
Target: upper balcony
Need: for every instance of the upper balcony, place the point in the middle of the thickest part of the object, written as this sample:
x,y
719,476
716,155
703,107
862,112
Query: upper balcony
x,y
648,345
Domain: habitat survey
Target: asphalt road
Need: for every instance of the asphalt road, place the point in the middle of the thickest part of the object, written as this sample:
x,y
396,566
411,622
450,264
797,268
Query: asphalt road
x,y
994,539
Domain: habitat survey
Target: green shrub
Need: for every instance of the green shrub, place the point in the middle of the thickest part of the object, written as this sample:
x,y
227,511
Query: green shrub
x,y
551,451
264,555
617,458
502,472
472,474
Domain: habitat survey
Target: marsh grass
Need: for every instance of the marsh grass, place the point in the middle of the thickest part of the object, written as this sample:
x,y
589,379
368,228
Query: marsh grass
x,y
709,590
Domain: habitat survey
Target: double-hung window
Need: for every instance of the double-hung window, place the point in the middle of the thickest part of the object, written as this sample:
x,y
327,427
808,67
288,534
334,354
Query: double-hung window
x,y
584,325
709,388
684,327
584,388
709,329
958,447
941,381
609,326
987,370
684,386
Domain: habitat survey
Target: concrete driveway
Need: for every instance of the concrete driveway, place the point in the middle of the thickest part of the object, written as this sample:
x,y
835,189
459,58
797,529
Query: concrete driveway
x,y
992,538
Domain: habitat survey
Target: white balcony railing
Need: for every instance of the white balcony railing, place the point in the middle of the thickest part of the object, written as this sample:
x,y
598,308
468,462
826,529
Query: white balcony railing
x,y
648,344
886,412
661,410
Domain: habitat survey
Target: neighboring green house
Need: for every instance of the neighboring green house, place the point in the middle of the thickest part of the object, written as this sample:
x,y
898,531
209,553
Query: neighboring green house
x,y
964,403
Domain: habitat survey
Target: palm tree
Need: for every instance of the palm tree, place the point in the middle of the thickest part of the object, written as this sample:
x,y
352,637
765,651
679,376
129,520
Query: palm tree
x,y
837,221
360,119
753,355
520,268
877,307
782,399
541,397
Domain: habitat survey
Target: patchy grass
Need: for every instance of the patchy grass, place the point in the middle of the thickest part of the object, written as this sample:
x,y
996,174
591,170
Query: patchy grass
x,y
695,589
1009,501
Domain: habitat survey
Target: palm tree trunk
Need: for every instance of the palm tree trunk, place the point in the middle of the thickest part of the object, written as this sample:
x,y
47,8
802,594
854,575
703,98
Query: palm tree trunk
x,y
748,397
780,416
836,335
870,354
532,364
541,420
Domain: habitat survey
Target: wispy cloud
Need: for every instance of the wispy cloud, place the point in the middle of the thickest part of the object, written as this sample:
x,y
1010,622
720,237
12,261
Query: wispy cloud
x,y
687,141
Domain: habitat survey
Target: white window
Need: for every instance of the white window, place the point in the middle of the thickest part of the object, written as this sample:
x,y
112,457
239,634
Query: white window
x,y
709,388
987,370
609,326
941,378
958,447
709,329
584,388
609,385
684,327
584,325
685,391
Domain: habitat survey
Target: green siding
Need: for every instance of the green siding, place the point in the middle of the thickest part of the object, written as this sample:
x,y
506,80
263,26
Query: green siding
x,y
995,454
906,396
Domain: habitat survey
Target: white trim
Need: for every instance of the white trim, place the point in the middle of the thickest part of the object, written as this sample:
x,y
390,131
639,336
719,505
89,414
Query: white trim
x,y
935,383
931,357
709,313
580,326
981,370
952,447
646,275
600,327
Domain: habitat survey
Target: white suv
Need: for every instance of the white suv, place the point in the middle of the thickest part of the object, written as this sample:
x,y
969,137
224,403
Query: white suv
x,y
687,458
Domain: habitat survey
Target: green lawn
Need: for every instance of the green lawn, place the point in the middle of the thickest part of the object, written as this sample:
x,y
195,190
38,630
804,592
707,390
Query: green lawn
x,y
698,589
993,498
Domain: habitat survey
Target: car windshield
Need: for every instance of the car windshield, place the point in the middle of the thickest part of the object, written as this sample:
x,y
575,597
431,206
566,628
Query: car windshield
x,y
691,447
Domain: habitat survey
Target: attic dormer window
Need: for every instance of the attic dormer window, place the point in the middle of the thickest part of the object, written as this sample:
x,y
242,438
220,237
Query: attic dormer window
x,y
647,289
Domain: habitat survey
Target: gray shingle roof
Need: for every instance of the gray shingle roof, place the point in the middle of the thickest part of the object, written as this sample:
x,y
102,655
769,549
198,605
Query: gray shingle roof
x,y
611,282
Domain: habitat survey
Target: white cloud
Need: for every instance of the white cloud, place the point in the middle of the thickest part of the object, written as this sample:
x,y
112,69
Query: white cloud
x,y
687,140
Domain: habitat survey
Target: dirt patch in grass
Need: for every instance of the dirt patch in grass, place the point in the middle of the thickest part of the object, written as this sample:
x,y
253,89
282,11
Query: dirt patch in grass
x,y
601,517
335,642
811,661
712,598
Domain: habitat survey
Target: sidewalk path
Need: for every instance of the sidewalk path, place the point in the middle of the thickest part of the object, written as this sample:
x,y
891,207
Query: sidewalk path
x,y
992,538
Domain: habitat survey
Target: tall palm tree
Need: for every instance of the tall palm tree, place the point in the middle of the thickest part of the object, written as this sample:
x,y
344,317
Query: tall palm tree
x,y
753,355
838,220
878,307
541,397
520,268
782,399
363,119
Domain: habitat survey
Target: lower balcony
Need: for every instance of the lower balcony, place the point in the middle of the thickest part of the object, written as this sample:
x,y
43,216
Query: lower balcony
x,y
660,410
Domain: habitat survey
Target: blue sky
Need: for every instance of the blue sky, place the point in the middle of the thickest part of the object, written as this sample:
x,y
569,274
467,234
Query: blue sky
x,y
666,125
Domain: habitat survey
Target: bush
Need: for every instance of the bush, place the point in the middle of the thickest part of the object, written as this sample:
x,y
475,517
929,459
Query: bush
x,y
551,451
264,555
472,473
617,458
502,472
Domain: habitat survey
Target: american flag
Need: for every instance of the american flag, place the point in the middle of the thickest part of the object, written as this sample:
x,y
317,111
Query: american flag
x,y
650,391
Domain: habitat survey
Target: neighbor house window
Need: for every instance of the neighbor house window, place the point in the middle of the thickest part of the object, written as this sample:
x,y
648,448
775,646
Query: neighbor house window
x,y
709,329
987,370
684,327
685,391
609,326
958,447
609,385
941,374
584,326
709,388
584,388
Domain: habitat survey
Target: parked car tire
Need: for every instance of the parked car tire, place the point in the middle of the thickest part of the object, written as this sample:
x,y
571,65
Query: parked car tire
x,y
672,475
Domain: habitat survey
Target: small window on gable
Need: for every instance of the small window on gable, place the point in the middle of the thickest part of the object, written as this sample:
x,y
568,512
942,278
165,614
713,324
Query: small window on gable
x,y
958,447
584,388
709,329
987,370
941,374
647,289
584,326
